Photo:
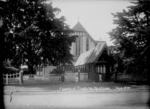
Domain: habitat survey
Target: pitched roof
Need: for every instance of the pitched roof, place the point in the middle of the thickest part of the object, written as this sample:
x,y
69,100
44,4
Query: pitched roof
x,y
80,28
11,68
83,58
91,55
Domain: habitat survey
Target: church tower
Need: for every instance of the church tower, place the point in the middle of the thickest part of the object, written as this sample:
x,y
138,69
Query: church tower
x,y
83,43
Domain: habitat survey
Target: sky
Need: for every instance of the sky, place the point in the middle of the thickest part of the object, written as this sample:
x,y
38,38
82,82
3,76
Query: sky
x,y
94,15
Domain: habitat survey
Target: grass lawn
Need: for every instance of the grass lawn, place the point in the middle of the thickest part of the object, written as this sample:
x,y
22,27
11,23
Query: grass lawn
x,y
46,85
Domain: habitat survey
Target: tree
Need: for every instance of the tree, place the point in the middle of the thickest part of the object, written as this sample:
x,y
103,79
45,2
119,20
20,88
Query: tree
x,y
34,34
131,36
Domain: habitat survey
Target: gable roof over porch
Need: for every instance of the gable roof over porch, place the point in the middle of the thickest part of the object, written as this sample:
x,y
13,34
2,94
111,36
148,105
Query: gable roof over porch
x,y
91,55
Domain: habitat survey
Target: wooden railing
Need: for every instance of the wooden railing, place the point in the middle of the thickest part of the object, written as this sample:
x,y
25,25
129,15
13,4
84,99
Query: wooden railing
x,y
12,78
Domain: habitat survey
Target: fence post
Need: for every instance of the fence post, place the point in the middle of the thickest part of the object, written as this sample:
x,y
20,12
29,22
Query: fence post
x,y
21,77
6,78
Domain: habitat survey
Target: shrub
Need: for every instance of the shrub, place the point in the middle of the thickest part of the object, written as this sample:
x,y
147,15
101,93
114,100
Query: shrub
x,y
58,71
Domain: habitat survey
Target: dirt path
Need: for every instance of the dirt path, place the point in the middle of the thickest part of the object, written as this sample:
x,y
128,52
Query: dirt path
x,y
78,100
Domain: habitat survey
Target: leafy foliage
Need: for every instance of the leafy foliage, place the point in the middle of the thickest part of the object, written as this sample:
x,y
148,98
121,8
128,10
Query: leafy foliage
x,y
58,71
33,34
131,36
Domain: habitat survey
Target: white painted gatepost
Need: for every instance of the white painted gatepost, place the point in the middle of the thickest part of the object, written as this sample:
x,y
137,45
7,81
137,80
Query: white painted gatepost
x,y
15,78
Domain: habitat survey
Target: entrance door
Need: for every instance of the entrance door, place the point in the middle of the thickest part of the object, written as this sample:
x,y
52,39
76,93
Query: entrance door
x,y
101,70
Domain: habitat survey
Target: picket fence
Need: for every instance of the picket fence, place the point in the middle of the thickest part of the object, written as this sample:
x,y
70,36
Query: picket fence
x,y
12,78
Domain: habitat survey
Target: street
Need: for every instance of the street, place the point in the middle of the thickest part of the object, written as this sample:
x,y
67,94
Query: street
x,y
78,100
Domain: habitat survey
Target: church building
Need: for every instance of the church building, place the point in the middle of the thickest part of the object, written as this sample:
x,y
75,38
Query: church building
x,y
91,61
83,43
90,56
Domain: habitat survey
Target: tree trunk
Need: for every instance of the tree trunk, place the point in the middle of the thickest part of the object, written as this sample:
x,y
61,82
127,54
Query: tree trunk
x,y
31,69
115,76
